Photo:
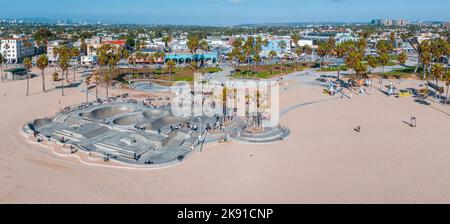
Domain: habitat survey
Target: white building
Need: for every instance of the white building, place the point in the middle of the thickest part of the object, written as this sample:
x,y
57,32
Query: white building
x,y
16,49
88,60
302,43
55,44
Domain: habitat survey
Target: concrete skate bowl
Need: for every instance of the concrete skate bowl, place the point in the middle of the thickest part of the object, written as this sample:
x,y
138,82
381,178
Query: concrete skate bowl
x,y
129,120
155,114
165,122
268,135
134,119
107,112
150,87
40,123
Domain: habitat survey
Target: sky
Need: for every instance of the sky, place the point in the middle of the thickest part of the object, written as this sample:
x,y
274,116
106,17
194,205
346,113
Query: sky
x,y
227,12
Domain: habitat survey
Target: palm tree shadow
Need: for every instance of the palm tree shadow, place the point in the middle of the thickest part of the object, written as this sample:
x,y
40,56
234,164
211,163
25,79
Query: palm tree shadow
x,y
409,124
437,109
422,101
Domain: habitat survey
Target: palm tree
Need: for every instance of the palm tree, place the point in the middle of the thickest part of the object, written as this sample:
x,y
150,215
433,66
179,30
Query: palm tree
x,y
447,83
283,45
383,49
437,70
194,66
402,58
372,62
167,40
2,59
272,55
339,52
97,81
55,77
193,43
87,82
295,38
74,52
64,65
28,65
322,51
425,56
110,56
170,67
204,45
42,63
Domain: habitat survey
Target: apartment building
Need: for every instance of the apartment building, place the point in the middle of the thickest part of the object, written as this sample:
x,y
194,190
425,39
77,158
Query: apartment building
x,y
16,49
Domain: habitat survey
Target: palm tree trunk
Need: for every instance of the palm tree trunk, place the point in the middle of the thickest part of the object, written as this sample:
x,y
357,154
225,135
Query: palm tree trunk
x,y
28,85
1,69
446,95
62,85
339,73
424,73
43,80
87,94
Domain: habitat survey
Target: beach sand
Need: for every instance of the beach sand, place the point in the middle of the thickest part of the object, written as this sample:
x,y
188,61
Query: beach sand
x,y
323,161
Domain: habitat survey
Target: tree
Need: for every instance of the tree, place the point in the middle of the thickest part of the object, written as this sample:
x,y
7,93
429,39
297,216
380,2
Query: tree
x,y
283,45
248,48
392,38
74,52
372,62
42,63
170,66
325,49
447,83
109,55
2,60
438,71
236,52
425,56
340,52
167,40
55,77
97,82
193,43
28,65
383,49
87,82
64,57
194,66
204,45
272,55
360,68
402,58
295,38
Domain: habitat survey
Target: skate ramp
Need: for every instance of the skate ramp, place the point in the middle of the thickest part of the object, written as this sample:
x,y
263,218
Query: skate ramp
x,y
107,112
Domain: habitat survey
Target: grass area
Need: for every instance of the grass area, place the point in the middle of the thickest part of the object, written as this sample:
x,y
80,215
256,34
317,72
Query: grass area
x,y
401,73
178,74
210,70
267,71
334,69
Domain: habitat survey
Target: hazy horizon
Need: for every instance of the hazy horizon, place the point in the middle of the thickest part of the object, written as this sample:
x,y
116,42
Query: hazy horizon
x,y
228,12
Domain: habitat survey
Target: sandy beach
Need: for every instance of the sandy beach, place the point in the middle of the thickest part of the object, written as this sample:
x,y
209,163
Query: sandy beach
x,y
323,161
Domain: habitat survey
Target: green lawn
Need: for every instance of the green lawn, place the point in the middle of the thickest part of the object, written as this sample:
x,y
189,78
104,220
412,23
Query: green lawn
x,y
267,71
334,69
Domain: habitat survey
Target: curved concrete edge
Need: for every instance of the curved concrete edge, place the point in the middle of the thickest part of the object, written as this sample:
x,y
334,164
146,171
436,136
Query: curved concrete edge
x,y
122,165
246,140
